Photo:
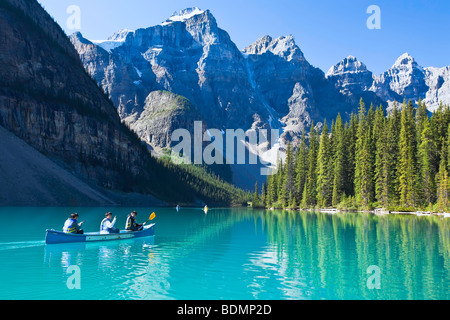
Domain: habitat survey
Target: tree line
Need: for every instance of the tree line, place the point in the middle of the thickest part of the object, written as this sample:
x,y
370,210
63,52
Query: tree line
x,y
398,161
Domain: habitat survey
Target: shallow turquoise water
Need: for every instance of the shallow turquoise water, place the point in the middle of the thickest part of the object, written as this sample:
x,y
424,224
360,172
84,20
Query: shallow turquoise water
x,y
228,254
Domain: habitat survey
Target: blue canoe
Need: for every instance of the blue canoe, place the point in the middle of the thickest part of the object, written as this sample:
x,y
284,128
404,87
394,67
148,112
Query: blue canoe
x,y
54,236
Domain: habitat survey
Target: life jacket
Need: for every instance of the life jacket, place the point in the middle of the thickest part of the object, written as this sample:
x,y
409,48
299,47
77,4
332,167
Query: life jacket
x,y
70,226
102,227
131,223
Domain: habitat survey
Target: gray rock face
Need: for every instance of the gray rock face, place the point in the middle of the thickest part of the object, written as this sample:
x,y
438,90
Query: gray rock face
x,y
283,47
438,82
191,57
353,80
268,84
405,80
28,177
350,76
163,113
276,67
48,100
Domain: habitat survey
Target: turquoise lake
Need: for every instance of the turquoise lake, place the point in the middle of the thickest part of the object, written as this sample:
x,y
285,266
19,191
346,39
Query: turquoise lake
x,y
230,254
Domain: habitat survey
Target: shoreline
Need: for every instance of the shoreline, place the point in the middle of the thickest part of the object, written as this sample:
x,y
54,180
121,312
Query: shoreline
x,y
377,212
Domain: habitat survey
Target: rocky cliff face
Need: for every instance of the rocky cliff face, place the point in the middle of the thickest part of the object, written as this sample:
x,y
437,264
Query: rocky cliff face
x,y
270,84
350,76
287,84
189,56
438,82
29,178
405,80
163,113
49,101
353,80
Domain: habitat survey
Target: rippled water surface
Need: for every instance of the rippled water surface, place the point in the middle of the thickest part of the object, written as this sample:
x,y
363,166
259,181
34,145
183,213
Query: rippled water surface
x,y
228,254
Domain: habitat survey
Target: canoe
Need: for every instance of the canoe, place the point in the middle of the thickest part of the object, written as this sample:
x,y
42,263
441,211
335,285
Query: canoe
x,y
54,236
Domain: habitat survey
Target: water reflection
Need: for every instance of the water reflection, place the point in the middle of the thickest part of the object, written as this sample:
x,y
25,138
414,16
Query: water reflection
x,y
334,252
262,254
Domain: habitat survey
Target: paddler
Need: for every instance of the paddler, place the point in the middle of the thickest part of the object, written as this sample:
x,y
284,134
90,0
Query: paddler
x,y
107,226
131,223
72,226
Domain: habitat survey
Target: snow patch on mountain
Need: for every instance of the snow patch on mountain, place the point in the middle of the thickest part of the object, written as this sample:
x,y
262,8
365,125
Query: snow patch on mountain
x,y
121,35
108,45
283,46
404,60
114,41
347,65
139,72
183,15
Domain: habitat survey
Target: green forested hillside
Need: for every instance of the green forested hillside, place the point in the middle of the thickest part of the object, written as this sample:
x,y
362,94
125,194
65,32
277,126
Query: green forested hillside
x,y
397,161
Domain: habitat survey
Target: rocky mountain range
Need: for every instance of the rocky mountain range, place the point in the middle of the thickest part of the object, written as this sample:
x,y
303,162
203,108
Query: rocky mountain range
x,y
63,142
268,84
67,141
405,80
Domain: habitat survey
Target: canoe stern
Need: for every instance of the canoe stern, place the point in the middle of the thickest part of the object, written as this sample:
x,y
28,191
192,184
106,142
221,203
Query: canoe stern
x,y
53,237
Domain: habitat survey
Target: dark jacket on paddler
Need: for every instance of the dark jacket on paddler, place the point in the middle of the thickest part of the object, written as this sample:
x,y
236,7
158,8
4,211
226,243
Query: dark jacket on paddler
x,y
131,224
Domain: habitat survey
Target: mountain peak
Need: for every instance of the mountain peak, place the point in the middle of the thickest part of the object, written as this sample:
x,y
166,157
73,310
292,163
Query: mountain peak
x,y
283,46
347,65
78,37
120,35
183,15
404,59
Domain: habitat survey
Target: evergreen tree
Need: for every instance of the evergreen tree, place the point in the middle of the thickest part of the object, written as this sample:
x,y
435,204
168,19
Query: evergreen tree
x,y
442,183
263,195
421,117
292,203
279,182
427,156
271,190
381,159
442,179
310,189
407,161
350,138
256,197
393,136
363,161
288,182
339,165
324,182
301,168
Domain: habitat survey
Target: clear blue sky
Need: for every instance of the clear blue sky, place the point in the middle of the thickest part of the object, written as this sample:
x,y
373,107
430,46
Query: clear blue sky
x,y
325,30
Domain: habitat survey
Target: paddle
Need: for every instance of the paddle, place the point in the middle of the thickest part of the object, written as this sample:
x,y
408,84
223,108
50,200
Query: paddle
x,y
152,216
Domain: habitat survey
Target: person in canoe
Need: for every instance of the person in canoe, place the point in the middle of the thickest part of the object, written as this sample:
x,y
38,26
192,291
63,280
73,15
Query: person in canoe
x,y
131,224
72,226
107,226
